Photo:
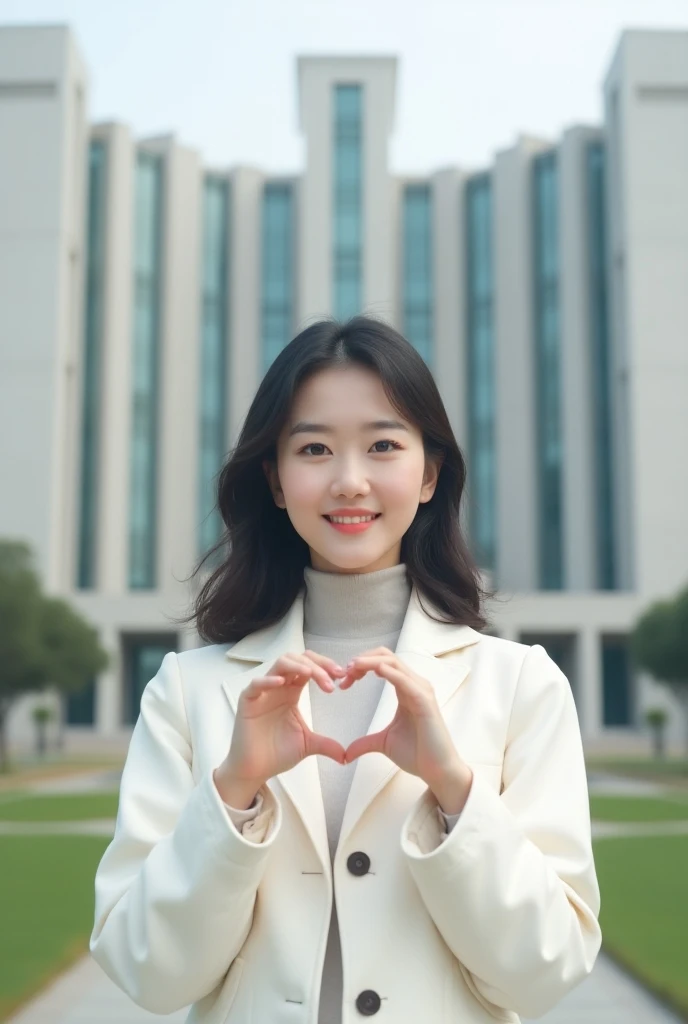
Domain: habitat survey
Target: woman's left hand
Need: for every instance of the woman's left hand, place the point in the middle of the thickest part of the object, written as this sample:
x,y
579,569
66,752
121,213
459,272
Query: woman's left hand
x,y
417,738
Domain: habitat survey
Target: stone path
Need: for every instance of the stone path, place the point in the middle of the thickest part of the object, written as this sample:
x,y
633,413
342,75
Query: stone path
x,y
85,995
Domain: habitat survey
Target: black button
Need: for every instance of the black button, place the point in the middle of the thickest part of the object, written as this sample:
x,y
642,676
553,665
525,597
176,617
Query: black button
x,y
368,1003
358,863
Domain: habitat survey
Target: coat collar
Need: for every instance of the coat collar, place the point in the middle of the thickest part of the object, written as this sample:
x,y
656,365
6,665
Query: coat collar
x,y
421,644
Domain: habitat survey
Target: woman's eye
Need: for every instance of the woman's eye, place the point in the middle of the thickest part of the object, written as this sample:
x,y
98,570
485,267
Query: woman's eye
x,y
314,445
392,443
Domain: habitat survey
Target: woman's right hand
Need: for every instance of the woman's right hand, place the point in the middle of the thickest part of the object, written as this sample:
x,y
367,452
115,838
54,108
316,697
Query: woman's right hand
x,y
270,736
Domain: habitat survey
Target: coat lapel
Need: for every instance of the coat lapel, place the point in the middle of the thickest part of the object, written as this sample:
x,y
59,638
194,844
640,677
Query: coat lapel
x,y
421,644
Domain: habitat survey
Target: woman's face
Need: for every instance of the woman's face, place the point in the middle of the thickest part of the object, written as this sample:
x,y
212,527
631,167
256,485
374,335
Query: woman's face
x,y
345,451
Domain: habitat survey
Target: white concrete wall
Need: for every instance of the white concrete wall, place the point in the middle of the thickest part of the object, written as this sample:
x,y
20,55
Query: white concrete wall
x,y
316,79
42,155
650,77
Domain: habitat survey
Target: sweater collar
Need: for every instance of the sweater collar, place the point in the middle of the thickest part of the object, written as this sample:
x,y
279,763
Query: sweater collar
x,y
355,605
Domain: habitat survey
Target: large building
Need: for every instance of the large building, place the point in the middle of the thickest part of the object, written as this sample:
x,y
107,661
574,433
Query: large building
x,y
143,295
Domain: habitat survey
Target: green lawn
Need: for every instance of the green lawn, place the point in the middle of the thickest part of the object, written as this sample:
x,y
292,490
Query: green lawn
x,y
60,807
46,895
624,808
644,914
672,770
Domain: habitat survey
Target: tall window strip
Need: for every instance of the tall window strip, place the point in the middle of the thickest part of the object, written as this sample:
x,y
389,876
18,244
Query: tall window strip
x,y
348,200
417,284
601,376
548,371
213,376
480,376
93,343
277,269
145,371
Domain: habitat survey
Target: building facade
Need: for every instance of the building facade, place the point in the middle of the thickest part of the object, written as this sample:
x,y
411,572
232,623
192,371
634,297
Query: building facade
x,y
144,295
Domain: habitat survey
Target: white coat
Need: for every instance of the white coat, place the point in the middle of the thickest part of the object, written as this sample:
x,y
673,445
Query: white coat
x,y
495,920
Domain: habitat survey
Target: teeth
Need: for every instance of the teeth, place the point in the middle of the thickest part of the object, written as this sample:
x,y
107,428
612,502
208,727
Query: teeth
x,y
351,519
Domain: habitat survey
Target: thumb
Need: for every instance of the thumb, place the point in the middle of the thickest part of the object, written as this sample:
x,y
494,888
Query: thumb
x,y
366,745
317,744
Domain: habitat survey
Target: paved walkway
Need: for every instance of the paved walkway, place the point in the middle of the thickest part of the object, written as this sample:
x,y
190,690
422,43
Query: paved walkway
x,y
85,995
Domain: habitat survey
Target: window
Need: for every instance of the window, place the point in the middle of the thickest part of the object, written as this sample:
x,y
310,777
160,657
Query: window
x,y
213,376
348,200
480,384
277,269
617,686
93,344
417,285
146,327
595,169
81,705
142,657
547,371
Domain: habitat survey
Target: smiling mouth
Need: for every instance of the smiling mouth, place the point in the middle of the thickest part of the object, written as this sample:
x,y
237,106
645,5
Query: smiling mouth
x,y
352,520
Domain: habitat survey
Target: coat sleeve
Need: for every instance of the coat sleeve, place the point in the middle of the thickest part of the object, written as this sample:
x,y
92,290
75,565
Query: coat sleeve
x,y
176,887
513,888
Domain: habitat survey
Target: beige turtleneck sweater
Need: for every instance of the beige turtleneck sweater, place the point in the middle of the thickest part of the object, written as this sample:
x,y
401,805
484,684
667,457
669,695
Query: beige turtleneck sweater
x,y
345,614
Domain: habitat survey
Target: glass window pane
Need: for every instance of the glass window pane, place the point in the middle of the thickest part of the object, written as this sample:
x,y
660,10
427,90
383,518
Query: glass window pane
x,y
213,370
548,370
480,383
348,200
277,277
601,379
93,340
146,321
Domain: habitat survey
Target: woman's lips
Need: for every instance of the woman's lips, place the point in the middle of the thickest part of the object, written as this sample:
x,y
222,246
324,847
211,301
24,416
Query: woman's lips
x,y
352,527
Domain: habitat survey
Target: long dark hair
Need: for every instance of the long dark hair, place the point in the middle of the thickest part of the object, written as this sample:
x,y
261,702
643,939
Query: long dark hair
x,y
262,557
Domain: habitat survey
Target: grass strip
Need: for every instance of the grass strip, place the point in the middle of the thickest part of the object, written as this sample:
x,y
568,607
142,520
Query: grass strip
x,y
47,898
58,807
640,808
644,912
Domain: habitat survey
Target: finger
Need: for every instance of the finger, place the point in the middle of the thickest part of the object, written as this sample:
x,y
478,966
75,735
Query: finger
x,y
333,667
302,669
317,744
315,671
371,660
360,667
261,685
374,743
413,693
319,675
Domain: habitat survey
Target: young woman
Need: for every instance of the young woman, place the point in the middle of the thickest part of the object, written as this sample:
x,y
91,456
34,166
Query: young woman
x,y
351,801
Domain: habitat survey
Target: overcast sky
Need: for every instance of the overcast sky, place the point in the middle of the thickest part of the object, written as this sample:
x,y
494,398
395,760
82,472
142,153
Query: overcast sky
x,y
472,74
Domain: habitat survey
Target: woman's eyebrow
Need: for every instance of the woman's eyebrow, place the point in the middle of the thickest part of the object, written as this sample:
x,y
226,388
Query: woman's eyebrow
x,y
303,427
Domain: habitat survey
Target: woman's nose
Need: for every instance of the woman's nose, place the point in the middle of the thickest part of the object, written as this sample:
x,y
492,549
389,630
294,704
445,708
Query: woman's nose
x,y
349,479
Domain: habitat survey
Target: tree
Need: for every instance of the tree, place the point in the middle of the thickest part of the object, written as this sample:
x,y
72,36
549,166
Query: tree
x,y
21,662
659,644
43,641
